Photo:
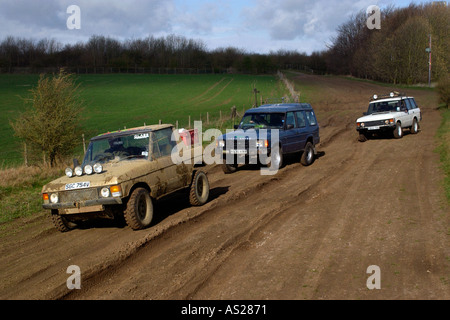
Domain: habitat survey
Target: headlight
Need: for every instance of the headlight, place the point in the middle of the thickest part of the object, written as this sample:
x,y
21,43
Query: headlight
x,y
98,168
362,124
69,172
54,198
262,143
105,192
88,169
78,171
221,143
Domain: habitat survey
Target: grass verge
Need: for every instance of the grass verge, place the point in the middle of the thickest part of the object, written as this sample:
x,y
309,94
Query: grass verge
x,y
443,136
20,190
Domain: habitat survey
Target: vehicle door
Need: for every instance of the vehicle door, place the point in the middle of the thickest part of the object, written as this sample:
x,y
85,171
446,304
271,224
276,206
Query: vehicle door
x,y
289,139
410,113
162,146
403,115
415,111
302,130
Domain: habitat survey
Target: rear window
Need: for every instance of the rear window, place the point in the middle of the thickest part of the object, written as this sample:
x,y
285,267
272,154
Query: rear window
x,y
310,116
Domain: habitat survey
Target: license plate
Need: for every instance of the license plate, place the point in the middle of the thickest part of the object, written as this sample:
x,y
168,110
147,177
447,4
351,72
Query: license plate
x,y
238,151
373,128
78,185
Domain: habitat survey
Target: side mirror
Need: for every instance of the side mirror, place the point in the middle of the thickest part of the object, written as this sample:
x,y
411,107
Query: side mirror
x,y
236,126
364,113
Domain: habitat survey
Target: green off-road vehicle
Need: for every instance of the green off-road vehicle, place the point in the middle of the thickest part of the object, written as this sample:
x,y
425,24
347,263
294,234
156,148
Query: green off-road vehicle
x,y
123,173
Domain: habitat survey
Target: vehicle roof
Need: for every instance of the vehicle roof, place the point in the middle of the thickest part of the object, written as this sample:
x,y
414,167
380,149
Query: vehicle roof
x,y
391,99
281,107
137,130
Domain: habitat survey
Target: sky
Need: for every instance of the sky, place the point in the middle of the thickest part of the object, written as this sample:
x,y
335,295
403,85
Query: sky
x,y
256,26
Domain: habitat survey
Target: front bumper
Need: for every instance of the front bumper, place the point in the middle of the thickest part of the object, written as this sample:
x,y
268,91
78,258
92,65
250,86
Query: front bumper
x,y
244,156
383,127
83,206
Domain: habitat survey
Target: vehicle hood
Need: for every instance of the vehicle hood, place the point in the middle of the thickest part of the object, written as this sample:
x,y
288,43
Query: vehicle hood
x,y
113,173
380,116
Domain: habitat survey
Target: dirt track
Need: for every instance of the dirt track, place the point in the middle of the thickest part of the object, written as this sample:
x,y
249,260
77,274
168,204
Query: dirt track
x,y
305,233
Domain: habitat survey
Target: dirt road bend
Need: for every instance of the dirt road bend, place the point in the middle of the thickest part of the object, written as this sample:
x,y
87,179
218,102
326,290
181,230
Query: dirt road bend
x,y
304,233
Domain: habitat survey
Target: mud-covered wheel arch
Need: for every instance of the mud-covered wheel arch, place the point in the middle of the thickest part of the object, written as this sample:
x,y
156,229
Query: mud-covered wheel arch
x,y
199,190
139,209
61,223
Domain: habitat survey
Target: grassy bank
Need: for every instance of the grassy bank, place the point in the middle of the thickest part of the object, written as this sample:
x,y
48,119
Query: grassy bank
x,y
20,190
443,136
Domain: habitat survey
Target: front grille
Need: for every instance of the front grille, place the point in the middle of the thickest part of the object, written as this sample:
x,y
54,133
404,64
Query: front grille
x,y
79,195
374,123
240,144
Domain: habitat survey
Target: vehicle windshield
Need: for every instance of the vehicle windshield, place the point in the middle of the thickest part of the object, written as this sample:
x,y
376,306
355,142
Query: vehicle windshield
x,y
129,147
383,106
262,121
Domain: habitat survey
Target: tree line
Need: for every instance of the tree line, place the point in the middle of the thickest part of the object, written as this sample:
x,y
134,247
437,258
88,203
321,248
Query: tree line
x,y
395,53
171,51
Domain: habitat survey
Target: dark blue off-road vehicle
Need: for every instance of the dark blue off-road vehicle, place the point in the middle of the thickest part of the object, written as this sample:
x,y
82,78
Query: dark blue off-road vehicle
x,y
267,133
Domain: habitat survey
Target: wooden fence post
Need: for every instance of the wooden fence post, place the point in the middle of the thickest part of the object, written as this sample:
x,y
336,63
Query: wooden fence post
x,y
25,154
84,143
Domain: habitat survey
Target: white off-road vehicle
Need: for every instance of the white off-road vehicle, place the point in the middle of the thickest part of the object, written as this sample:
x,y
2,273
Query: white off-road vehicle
x,y
390,113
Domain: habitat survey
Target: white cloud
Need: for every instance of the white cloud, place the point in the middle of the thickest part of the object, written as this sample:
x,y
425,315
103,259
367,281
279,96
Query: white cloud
x,y
254,25
121,19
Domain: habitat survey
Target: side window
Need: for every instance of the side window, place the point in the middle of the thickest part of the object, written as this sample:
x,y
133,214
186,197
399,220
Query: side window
x,y
162,143
165,143
408,104
290,119
413,103
155,149
300,119
311,118
402,105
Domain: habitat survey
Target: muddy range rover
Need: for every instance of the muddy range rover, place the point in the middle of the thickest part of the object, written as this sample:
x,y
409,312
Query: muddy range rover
x,y
389,114
121,176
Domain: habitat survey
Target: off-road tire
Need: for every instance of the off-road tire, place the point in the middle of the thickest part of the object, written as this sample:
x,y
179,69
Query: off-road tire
x,y
229,168
398,131
199,190
61,223
139,211
307,158
415,127
278,155
362,137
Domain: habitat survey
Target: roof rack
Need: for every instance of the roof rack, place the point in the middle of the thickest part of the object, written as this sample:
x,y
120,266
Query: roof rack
x,y
393,94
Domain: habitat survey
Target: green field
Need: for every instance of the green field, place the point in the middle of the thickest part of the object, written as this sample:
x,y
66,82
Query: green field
x,y
115,101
